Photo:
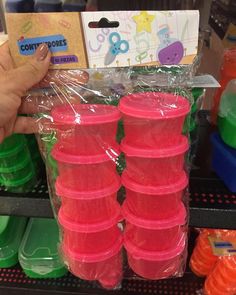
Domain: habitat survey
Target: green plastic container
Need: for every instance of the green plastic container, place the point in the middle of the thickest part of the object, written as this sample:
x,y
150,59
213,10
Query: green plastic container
x,y
197,92
23,185
38,254
35,154
227,115
12,142
11,232
18,154
19,171
194,108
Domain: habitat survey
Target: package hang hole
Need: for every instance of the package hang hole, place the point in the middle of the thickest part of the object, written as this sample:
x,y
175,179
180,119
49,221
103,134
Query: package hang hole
x,y
103,23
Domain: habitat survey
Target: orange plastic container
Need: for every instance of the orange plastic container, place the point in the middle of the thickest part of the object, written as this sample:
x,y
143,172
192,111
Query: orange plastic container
x,y
222,280
213,287
228,72
202,261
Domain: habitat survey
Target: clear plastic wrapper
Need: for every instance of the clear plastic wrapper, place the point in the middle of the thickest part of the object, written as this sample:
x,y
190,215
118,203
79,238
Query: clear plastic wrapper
x,y
117,164
214,257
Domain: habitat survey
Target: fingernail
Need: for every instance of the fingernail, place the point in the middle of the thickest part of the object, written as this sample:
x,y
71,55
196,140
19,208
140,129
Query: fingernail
x,y
41,52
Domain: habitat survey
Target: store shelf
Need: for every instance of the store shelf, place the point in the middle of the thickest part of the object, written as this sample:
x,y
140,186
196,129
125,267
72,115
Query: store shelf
x,y
14,282
211,203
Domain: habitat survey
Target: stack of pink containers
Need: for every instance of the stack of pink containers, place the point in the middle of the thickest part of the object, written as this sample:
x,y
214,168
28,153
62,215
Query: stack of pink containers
x,y
86,153
155,181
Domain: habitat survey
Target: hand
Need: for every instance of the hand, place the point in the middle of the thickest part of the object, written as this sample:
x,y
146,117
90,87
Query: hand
x,y
13,86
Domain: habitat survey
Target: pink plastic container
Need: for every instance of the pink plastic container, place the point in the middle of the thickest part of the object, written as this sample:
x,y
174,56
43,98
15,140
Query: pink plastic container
x,y
90,238
155,167
86,129
85,173
153,119
155,265
154,203
90,206
155,235
105,267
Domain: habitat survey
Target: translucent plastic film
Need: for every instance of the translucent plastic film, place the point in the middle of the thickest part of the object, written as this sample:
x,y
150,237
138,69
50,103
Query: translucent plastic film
x,y
116,147
214,258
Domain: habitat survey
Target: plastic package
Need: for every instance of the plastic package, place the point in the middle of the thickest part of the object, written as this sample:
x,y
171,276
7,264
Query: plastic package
x,y
222,278
227,115
214,257
227,73
11,233
224,161
18,169
105,141
38,253
202,260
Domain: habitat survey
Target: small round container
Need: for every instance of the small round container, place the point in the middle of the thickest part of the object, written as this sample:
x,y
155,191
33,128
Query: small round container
x,y
85,173
23,185
90,238
155,235
155,265
200,265
153,119
17,172
93,126
225,273
18,154
105,267
203,260
225,279
214,286
91,206
154,203
12,142
155,167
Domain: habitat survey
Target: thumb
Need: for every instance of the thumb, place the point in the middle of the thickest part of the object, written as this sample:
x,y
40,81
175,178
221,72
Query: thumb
x,y
23,78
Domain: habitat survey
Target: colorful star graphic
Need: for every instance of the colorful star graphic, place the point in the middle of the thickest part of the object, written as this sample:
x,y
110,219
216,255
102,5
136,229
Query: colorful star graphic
x,y
143,21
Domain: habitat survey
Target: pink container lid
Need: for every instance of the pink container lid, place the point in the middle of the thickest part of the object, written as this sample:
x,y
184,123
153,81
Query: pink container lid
x,y
174,150
85,114
110,154
95,257
138,253
178,219
88,228
181,184
154,105
63,191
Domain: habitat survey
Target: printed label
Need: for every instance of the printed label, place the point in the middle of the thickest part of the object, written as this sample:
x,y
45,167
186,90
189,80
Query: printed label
x,y
64,59
222,248
56,43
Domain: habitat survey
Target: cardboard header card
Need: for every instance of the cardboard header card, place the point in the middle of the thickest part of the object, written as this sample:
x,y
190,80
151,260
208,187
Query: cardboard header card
x,y
142,37
61,31
106,39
